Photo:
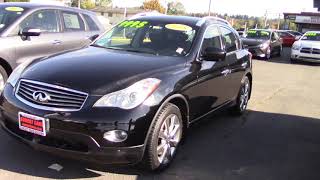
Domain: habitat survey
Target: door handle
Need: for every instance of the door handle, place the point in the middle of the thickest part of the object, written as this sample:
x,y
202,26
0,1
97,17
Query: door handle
x,y
226,72
56,42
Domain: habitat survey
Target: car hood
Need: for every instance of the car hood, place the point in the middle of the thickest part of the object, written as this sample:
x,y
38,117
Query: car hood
x,y
309,44
253,42
99,71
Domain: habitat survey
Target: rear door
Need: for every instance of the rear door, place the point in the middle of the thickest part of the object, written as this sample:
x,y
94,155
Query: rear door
x,y
92,27
74,31
47,43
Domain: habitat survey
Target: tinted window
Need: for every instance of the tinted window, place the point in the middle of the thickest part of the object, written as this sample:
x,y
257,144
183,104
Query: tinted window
x,y
230,40
72,22
211,38
284,34
159,38
45,20
8,15
311,36
258,34
91,24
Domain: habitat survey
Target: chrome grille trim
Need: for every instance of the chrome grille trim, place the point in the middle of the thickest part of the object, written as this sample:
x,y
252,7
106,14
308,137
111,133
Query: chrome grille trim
x,y
310,50
62,99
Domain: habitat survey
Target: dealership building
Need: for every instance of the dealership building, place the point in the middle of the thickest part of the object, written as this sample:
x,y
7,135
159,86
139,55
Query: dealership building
x,y
305,21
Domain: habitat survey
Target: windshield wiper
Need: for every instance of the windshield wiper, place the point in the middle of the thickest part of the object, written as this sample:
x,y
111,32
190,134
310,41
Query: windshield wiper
x,y
97,45
139,51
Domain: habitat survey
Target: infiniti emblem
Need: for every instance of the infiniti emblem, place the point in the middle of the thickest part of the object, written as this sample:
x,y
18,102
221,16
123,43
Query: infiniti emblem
x,y
41,96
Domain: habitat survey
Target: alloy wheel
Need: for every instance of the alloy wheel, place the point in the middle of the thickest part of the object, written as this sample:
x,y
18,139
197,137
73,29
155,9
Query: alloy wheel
x,y
169,137
2,82
244,97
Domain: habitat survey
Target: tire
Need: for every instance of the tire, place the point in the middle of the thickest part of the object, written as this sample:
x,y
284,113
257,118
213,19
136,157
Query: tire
x,y
243,97
3,77
156,156
268,54
293,61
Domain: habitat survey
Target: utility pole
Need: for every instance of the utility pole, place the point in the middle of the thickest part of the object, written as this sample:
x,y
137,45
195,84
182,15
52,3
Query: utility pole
x,y
279,20
265,19
209,12
79,4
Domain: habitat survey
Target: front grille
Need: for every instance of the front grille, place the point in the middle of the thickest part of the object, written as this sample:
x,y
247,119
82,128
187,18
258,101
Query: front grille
x,y
310,50
61,99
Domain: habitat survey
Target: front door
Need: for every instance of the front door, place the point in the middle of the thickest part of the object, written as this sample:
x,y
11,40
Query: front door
x,y
49,41
209,92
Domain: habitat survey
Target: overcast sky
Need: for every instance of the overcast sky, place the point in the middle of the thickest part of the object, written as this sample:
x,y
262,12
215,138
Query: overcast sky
x,y
247,7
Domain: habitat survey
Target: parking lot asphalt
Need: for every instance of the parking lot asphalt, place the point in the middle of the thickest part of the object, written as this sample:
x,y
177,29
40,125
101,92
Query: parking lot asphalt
x,y
277,139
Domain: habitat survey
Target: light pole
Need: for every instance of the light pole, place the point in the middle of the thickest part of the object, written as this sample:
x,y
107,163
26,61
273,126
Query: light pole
x,y
79,4
209,13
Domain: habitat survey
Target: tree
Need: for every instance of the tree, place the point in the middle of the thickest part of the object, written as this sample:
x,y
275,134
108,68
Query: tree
x,y
103,2
176,8
153,5
84,4
16,1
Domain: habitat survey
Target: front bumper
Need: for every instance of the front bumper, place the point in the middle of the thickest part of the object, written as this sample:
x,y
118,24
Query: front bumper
x,y
307,57
257,51
79,135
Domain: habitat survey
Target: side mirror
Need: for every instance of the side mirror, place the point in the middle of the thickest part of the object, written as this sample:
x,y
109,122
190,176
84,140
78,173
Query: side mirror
x,y
214,54
94,37
30,32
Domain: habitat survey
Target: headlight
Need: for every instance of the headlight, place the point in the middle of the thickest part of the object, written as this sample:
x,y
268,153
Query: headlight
x,y
130,97
296,46
15,75
264,45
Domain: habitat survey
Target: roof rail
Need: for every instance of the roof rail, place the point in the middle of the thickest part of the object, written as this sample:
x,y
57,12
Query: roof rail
x,y
213,18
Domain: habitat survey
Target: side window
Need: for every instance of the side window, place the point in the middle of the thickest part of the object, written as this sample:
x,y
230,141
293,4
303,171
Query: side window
x,y
274,37
211,38
45,20
72,21
230,40
90,22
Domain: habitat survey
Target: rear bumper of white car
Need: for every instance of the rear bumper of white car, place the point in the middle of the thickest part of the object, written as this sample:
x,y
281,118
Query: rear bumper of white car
x,y
300,55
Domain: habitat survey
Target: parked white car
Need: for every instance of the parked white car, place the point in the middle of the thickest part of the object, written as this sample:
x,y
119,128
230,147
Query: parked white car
x,y
307,48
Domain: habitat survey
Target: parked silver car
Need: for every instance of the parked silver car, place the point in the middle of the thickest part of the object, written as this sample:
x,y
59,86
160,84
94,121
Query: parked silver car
x,y
29,31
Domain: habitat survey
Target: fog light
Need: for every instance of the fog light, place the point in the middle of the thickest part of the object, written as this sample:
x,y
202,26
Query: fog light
x,y
115,136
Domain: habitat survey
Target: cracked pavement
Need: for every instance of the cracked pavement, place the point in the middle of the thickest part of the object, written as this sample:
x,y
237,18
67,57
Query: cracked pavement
x,y
278,138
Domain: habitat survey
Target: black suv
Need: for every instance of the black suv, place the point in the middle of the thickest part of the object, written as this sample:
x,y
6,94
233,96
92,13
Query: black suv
x,y
29,31
130,95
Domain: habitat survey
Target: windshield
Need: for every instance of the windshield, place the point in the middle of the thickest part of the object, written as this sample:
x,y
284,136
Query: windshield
x,y
258,34
8,15
295,33
164,39
311,36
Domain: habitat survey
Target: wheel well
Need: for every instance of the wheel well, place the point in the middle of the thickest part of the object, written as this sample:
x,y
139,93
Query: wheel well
x,y
183,106
249,75
6,66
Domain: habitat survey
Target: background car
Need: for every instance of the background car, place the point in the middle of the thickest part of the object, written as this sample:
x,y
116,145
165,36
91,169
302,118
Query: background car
x,y
263,43
307,48
287,38
297,34
129,98
29,31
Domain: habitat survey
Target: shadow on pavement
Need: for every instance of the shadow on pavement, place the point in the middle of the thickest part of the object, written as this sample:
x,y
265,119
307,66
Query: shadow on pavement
x,y
256,146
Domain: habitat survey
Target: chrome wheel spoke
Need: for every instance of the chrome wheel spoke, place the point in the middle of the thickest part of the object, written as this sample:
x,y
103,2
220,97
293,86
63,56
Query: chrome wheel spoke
x,y
174,132
174,143
163,154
